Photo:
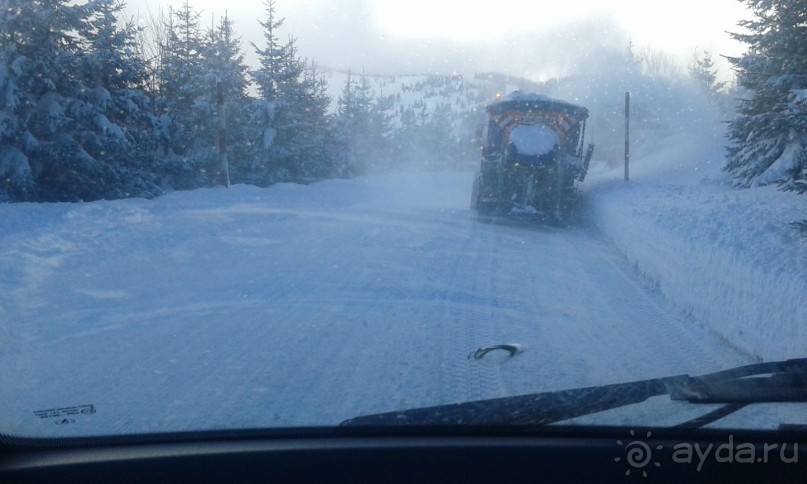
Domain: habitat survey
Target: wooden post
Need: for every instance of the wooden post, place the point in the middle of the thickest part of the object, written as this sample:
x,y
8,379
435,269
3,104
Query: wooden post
x,y
627,136
222,135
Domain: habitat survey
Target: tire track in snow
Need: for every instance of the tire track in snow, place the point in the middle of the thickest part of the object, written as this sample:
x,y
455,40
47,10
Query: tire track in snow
x,y
484,373
455,339
470,308
464,315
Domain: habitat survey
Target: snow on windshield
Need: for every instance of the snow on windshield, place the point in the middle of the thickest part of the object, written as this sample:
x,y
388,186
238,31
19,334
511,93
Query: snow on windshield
x,y
534,140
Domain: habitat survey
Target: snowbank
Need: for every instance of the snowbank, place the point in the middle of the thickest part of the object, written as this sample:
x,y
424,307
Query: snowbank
x,y
728,258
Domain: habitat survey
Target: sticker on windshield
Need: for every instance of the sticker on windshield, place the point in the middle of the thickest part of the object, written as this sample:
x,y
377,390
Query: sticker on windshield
x,y
65,415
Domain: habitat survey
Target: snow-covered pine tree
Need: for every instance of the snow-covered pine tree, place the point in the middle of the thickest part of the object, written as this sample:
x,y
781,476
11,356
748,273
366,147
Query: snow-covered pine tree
x,y
17,81
314,151
293,136
362,126
305,126
71,102
224,64
113,108
379,137
185,102
292,123
363,135
266,166
40,58
150,40
704,73
440,139
722,94
769,135
345,163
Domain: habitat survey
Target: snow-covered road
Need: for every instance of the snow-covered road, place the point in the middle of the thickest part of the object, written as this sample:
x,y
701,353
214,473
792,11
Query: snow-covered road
x,y
308,305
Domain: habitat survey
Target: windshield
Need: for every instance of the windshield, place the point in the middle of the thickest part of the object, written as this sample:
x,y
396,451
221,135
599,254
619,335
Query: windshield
x,y
294,214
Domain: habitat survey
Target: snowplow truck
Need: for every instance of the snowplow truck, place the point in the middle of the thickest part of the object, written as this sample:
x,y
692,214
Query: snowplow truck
x,y
532,157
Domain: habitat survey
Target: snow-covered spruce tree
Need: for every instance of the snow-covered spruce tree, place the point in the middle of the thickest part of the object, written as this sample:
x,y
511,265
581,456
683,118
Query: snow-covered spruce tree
x,y
342,130
17,80
223,62
769,135
425,133
302,122
362,127
70,104
113,112
721,95
379,133
183,100
293,141
704,72
352,125
313,154
440,138
265,163
406,145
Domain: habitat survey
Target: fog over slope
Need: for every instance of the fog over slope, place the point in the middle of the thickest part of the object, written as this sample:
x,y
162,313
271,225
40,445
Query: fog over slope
x,y
350,34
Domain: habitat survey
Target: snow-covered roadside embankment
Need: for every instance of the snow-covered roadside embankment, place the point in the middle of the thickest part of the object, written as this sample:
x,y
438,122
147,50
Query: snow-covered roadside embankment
x,y
728,258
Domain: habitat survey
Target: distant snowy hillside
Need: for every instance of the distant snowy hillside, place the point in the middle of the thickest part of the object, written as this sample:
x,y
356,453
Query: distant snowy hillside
x,y
432,118
442,112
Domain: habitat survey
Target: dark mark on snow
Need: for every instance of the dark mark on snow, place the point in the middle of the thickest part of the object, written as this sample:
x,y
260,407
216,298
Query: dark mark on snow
x,y
513,349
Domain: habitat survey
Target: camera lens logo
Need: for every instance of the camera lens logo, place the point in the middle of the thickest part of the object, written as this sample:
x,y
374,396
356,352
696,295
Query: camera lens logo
x,y
638,454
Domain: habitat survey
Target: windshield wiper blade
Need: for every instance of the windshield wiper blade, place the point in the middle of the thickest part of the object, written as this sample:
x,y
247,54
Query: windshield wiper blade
x,y
534,409
787,383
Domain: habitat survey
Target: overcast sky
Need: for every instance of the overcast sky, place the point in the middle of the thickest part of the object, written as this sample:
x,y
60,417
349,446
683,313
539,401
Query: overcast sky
x,y
535,38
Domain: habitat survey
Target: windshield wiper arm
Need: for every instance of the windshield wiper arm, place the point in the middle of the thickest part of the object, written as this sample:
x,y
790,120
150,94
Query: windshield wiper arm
x,y
737,387
787,383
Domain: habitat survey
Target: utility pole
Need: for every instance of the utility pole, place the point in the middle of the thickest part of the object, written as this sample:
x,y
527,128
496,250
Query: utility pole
x,y
222,135
627,136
